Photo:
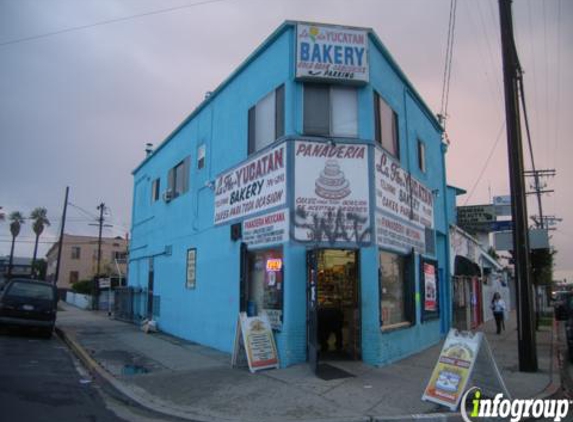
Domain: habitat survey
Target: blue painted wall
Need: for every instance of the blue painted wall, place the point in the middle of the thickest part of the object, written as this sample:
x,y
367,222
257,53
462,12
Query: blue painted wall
x,y
207,314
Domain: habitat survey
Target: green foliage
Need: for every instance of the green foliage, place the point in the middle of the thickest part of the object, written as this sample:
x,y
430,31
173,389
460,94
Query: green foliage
x,y
83,287
39,268
542,266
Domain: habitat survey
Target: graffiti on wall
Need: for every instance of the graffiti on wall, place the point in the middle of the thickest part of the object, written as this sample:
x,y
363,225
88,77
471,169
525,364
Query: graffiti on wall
x,y
335,225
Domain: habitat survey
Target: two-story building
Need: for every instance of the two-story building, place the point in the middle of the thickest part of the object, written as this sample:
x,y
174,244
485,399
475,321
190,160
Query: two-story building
x,y
310,185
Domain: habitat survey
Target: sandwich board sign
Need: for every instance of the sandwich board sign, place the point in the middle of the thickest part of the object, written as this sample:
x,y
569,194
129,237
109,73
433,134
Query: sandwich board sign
x,y
465,357
254,340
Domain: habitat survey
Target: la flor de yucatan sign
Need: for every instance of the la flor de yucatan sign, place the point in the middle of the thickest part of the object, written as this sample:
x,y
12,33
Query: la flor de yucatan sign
x,y
332,53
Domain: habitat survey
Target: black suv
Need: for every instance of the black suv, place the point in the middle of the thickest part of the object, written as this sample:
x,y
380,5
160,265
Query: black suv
x,y
29,303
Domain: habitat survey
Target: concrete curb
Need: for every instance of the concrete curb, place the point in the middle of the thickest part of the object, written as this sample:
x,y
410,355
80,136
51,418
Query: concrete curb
x,y
131,397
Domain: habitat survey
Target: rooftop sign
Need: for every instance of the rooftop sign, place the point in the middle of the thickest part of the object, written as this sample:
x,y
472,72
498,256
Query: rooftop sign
x,y
331,53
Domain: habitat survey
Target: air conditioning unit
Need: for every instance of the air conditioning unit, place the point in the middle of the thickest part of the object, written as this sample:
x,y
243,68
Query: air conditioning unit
x,y
168,195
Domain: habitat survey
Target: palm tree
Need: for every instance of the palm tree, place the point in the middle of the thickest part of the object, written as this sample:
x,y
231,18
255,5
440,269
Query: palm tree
x,y
16,220
40,217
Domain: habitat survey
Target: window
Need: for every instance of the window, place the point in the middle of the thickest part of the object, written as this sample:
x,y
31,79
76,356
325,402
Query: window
x,y
330,110
386,126
178,178
74,277
120,256
396,291
266,120
201,157
76,251
155,190
421,156
265,284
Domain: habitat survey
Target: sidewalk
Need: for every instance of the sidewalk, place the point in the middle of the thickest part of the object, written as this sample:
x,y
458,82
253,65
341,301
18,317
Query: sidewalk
x,y
193,382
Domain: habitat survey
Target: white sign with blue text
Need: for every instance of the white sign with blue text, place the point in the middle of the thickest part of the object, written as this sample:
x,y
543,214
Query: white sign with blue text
x,y
332,53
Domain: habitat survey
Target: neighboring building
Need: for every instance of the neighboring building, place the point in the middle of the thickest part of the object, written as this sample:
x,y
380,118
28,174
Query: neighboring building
x,y
311,185
79,258
21,267
476,275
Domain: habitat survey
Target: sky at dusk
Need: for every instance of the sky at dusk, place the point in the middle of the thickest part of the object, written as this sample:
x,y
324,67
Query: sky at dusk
x,y
85,85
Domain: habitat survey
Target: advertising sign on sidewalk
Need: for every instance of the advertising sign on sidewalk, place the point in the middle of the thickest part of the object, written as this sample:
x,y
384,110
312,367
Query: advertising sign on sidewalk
x,y
453,369
255,336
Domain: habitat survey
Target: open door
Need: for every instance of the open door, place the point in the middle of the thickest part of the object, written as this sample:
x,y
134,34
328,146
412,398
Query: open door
x,y
312,310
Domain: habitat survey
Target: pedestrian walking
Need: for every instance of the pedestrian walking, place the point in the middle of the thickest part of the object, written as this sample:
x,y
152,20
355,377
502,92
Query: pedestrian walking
x,y
498,308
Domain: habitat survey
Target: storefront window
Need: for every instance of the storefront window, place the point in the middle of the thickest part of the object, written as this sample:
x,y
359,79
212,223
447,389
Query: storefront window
x,y
265,284
394,290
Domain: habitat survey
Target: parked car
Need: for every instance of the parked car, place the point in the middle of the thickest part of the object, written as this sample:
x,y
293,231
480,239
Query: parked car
x,y
29,304
560,304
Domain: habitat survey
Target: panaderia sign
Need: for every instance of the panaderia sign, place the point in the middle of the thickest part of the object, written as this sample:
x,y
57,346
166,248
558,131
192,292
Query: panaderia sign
x,y
404,206
331,192
331,52
257,185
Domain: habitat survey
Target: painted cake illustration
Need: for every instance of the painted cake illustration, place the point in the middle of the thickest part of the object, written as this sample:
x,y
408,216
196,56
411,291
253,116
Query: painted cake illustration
x,y
331,184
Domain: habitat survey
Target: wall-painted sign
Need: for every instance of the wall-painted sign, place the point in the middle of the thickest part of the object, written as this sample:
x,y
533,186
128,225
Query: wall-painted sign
x,y
398,235
258,342
257,185
502,200
331,192
453,369
401,195
266,229
331,52
404,206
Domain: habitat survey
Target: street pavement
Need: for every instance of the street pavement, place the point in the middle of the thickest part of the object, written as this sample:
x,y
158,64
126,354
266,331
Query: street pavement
x,y
39,382
186,380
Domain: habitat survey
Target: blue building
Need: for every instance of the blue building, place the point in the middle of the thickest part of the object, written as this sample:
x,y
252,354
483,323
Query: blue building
x,y
310,185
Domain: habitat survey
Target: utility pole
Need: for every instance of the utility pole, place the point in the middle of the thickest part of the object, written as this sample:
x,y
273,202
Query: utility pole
x,y
95,286
61,242
527,350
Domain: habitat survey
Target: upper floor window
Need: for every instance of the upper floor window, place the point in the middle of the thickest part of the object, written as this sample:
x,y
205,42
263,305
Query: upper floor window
x,y
421,156
330,110
178,178
386,126
155,190
201,156
76,250
266,120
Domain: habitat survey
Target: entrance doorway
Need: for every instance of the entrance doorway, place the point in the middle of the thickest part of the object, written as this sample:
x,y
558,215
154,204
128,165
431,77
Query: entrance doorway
x,y
334,305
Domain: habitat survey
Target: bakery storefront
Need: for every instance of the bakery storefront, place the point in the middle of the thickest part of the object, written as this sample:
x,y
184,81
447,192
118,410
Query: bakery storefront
x,y
359,230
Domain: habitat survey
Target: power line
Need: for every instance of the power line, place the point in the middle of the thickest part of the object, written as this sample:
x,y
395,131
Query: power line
x,y
486,163
448,63
106,22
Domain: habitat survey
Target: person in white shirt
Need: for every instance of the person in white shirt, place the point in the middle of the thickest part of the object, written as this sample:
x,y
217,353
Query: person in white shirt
x,y
498,308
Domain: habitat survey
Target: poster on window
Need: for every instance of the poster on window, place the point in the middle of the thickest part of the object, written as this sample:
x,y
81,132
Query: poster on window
x,y
331,52
399,194
266,229
430,288
331,193
257,185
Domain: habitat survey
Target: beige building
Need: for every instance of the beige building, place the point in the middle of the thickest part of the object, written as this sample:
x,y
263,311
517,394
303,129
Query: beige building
x,y
79,259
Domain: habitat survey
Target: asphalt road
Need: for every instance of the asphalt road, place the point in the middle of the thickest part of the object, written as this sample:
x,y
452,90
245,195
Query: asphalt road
x,y
39,381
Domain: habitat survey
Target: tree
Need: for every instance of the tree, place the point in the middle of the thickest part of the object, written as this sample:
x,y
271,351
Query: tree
x,y
16,220
40,217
